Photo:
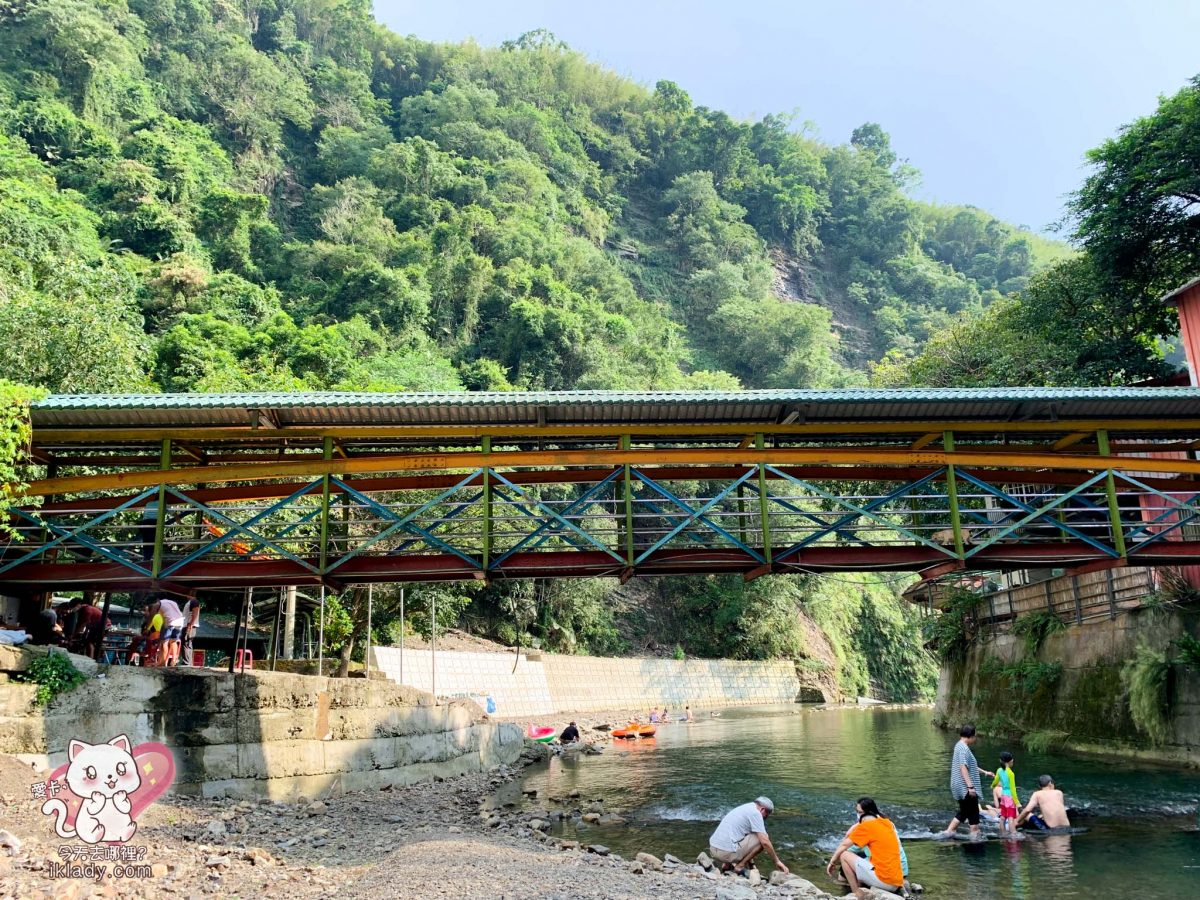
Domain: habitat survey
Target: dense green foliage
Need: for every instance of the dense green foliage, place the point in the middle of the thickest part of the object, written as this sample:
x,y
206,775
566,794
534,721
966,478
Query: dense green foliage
x,y
1024,677
955,628
208,197
54,674
15,432
1035,627
1146,678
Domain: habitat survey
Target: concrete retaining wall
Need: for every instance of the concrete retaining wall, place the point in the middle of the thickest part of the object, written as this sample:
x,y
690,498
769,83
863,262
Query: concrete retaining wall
x,y
263,733
543,684
1088,701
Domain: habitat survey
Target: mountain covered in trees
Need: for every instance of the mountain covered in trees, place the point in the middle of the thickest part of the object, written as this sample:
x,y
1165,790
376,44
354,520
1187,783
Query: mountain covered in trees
x,y
206,196
282,194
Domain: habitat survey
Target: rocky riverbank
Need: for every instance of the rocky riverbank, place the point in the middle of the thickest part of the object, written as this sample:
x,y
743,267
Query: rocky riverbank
x,y
436,839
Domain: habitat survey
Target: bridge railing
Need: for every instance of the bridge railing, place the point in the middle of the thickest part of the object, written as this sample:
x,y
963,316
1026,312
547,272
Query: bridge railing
x,y
625,516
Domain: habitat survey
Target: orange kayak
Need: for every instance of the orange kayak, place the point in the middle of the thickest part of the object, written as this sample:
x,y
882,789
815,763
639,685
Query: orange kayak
x,y
634,730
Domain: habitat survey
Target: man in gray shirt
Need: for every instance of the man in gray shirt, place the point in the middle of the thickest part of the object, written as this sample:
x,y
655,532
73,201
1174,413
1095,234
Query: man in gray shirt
x,y
964,784
742,835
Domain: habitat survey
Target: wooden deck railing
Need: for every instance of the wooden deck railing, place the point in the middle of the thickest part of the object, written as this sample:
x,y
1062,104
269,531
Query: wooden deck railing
x,y
1073,598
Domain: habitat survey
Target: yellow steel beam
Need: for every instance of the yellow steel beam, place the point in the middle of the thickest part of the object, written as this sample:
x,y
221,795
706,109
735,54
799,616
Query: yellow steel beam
x,y
470,432
442,462
926,440
1073,438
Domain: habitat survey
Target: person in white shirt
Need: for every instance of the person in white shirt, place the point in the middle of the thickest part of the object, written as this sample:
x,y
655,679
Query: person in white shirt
x,y
172,630
742,835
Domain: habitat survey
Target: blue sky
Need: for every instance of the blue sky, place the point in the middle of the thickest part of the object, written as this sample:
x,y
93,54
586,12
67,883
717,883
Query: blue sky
x,y
996,104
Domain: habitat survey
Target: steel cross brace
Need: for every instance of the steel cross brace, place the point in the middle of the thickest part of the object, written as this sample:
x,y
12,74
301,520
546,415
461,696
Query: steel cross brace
x,y
813,517
236,528
1180,506
406,522
455,511
76,534
697,515
1035,513
588,498
867,510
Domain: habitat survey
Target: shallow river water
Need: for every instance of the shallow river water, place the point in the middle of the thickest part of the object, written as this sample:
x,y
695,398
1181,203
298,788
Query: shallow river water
x,y
1141,821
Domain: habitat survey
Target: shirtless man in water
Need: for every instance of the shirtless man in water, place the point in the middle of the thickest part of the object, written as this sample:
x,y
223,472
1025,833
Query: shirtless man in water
x,y
1048,800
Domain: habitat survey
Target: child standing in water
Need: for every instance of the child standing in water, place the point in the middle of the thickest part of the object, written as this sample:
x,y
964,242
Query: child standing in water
x,y
1004,792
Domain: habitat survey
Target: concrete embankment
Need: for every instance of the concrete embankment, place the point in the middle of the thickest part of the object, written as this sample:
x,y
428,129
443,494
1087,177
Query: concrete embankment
x,y
539,684
1072,691
261,733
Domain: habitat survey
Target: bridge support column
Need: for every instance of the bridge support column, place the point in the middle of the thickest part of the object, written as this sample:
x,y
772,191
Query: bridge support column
x,y
289,622
160,517
764,501
326,454
1114,506
626,443
952,496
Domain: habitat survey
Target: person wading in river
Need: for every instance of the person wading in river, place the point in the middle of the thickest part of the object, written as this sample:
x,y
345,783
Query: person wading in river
x,y
964,784
742,835
1048,800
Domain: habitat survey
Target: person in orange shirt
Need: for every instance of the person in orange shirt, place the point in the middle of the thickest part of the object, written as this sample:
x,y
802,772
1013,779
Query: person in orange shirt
x,y
875,832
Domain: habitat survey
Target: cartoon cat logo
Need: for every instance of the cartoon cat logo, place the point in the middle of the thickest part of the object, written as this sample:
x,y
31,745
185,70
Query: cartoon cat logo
x,y
112,784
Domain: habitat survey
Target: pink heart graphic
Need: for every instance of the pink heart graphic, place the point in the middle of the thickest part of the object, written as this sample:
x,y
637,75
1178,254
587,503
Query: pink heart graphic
x,y
156,766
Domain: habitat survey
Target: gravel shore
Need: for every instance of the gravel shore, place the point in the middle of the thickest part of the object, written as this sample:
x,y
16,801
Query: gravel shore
x,y
428,840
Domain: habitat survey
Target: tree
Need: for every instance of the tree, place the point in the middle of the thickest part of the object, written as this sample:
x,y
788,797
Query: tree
x,y
15,435
1136,214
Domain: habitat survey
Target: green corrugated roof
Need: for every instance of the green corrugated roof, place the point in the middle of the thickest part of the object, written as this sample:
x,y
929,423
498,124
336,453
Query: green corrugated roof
x,y
293,400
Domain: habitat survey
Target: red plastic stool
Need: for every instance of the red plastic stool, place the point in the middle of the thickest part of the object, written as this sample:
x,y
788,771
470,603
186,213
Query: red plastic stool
x,y
248,659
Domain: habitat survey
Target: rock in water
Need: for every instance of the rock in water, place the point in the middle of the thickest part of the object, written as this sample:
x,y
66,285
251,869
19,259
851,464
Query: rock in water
x,y
610,819
591,818
598,849
650,861
706,862
538,824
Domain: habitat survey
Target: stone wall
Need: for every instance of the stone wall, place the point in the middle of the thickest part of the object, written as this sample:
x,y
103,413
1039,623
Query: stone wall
x,y
262,733
543,684
1087,702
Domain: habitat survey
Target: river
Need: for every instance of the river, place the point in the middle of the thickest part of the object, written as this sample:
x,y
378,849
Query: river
x,y
1141,821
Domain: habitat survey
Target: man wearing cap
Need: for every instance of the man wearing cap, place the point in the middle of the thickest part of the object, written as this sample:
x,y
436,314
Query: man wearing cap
x,y
742,835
